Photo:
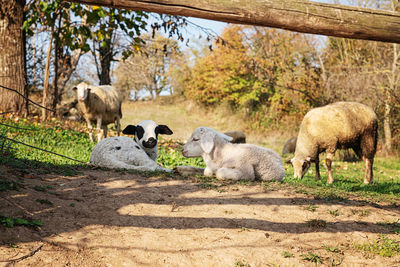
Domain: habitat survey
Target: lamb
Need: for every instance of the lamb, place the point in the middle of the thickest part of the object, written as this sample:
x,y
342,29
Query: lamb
x,y
336,126
101,104
122,152
146,133
231,161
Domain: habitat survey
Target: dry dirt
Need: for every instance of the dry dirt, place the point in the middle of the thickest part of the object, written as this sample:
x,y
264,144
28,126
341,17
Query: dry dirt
x,y
109,218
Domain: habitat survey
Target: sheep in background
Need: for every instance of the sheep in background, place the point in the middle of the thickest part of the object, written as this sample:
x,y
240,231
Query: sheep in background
x,y
146,134
238,137
231,161
336,126
121,152
99,103
289,146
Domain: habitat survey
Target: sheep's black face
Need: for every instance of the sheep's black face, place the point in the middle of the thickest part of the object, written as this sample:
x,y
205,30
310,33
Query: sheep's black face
x,y
146,133
150,143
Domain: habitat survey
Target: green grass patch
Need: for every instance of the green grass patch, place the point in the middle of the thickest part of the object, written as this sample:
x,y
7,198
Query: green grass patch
x,y
392,226
348,181
287,254
332,249
52,136
10,222
312,257
170,155
311,208
334,213
7,185
383,246
241,263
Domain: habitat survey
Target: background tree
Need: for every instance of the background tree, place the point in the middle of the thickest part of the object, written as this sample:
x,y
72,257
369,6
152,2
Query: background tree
x,y
12,57
147,68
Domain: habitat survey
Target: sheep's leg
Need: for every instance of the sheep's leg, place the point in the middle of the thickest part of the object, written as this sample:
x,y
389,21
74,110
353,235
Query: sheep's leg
x,y
98,128
329,157
89,124
105,130
368,170
118,125
208,172
233,174
317,173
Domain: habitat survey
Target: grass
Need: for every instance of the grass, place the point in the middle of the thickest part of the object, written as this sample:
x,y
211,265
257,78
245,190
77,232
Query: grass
x,y
348,181
287,254
10,222
54,136
312,257
382,246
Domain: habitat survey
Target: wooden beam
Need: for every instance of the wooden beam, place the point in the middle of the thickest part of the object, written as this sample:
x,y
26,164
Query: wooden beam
x,y
295,15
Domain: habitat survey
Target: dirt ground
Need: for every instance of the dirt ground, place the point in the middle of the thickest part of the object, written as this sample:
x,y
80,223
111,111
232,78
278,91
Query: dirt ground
x,y
110,218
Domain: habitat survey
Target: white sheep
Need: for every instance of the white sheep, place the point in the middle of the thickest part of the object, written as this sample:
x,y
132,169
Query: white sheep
x,y
336,126
231,161
121,152
101,104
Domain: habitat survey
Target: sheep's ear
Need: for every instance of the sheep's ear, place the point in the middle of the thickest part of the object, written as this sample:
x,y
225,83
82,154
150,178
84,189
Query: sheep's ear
x,y
226,137
130,129
163,129
207,142
75,88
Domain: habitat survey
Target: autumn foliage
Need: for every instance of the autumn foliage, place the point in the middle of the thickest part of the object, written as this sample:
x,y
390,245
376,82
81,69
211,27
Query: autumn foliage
x,y
273,77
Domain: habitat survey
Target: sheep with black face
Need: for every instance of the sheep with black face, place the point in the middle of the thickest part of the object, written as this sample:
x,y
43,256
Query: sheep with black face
x,y
122,152
146,133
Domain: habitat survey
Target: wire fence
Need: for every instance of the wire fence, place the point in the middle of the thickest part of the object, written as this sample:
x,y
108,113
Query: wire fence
x,y
27,129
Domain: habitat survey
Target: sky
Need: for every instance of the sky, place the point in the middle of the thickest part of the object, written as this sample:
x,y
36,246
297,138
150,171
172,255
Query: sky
x,y
216,26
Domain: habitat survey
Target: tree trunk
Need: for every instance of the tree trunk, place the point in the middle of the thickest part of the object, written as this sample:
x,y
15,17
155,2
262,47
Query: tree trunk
x,y
46,78
106,55
295,15
12,57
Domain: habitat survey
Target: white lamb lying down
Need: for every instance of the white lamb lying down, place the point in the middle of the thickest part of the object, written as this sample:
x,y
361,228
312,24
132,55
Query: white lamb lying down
x,y
231,161
122,152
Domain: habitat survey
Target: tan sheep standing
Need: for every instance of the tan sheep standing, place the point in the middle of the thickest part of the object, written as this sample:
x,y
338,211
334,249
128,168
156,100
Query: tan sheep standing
x,y
336,126
99,103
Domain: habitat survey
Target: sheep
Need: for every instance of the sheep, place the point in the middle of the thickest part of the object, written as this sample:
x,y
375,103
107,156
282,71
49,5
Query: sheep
x,y
100,103
146,133
290,146
238,137
122,152
231,161
336,126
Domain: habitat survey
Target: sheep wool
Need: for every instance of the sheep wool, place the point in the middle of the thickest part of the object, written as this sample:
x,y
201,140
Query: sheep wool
x,y
336,126
101,103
